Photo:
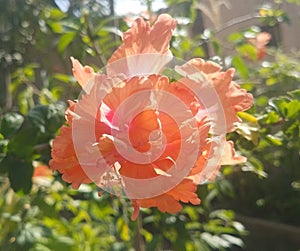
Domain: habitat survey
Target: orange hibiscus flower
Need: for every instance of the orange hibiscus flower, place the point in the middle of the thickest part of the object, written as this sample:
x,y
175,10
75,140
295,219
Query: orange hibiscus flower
x,y
136,133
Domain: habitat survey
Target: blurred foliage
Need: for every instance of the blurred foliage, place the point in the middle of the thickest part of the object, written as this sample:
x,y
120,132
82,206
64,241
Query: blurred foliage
x,y
42,213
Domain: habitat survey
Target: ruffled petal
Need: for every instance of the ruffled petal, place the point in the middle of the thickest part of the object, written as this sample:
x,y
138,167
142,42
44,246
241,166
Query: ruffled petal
x,y
137,171
65,161
170,201
81,117
198,64
141,38
134,133
82,73
145,49
229,156
219,95
164,203
186,192
232,97
141,128
42,171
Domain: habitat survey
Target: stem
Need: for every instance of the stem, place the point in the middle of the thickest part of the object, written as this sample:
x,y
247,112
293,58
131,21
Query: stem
x,y
95,45
115,20
198,28
41,147
139,240
149,7
229,24
5,95
235,21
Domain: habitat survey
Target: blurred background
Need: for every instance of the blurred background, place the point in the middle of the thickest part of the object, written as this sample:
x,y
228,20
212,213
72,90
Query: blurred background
x,y
254,206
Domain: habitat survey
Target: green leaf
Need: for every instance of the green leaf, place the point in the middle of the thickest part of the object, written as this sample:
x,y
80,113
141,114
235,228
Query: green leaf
x,y
217,47
233,240
226,215
56,13
235,37
47,118
10,123
294,1
247,117
57,242
249,131
271,81
37,117
56,92
254,165
3,151
19,173
274,140
192,213
65,40
247,50
272,117
25,100
214,241
280,105
22,143
293,109
186,45
63,77
295,94
199,52
148,236
240,66
113,30
262,101
81,216
56,27
39,126
124,229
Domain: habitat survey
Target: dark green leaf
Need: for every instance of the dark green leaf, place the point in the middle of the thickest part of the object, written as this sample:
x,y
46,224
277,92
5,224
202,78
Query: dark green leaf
x,y
22,143
47,118
19,173
3,151
10,123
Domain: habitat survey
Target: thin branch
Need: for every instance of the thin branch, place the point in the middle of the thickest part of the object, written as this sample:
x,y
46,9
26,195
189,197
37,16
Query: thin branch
x,y
236,21
41,147
140,244
95,45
